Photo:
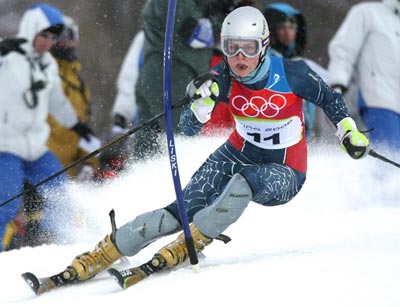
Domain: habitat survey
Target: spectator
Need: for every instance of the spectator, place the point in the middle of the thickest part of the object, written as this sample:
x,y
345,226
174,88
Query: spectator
x,y
63,142
125,110
364,54
289,39
124,113
30,88
195,30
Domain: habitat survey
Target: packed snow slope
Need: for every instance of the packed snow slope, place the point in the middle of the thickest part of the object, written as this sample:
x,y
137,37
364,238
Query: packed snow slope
x,y
336,244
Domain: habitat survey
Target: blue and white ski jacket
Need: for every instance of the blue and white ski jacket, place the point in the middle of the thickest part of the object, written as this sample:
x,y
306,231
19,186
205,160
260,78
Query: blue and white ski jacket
x,y
23,119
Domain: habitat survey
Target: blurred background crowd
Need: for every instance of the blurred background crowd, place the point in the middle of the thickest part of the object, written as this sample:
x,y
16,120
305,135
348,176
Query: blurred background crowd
x,y
108,27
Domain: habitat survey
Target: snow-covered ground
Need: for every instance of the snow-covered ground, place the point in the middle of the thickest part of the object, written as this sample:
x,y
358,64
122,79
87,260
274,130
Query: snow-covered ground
x,y
336,244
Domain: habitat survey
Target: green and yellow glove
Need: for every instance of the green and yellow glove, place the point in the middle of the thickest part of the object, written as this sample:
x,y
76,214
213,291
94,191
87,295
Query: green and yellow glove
x,y
353,142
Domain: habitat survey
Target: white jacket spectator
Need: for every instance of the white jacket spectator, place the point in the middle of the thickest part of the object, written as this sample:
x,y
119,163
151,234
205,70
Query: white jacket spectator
x,y
365,52
23,127
367,46
125,101
30,88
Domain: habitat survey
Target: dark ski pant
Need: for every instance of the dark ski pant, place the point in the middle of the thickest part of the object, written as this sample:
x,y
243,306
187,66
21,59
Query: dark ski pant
x,y
272,182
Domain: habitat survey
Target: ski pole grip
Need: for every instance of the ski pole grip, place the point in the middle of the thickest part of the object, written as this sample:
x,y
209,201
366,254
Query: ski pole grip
x,y
197,82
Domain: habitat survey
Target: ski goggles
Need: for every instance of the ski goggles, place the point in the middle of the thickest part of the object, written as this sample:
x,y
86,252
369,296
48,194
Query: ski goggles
x,y
249,47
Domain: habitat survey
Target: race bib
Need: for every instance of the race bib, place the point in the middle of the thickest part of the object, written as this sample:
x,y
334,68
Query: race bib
x,y
271,134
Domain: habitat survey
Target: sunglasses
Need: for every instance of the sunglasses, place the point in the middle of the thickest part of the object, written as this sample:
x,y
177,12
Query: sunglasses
x,y
48,36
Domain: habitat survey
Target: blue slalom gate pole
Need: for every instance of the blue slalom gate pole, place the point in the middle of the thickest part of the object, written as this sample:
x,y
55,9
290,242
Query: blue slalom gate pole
x,y
169,32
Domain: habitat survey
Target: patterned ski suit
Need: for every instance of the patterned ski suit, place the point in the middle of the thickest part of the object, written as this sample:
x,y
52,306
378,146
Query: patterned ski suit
x,y
268,145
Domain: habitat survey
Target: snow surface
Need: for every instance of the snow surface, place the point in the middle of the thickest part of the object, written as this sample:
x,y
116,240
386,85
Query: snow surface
x,y
336,244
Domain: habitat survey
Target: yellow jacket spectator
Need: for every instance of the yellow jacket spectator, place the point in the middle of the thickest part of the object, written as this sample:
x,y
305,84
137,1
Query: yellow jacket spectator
x,y
63,142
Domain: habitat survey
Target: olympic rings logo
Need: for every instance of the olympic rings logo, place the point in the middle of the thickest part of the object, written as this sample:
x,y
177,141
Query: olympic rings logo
x,y
259,105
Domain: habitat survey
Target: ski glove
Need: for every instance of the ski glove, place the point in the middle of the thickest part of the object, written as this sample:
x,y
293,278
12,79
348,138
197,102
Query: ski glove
x,y
202,36
88,141
120,126
353,142
203,97
12,44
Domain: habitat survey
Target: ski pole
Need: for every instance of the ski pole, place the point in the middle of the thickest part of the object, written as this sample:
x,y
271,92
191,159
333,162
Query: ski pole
x,y
374,154
179,103
170,135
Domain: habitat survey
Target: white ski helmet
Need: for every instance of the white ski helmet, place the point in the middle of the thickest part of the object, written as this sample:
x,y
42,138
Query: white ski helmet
x,y
245,30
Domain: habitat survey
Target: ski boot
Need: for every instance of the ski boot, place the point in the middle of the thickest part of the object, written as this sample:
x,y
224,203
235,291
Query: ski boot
x,y
176,252
89,264
168,257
